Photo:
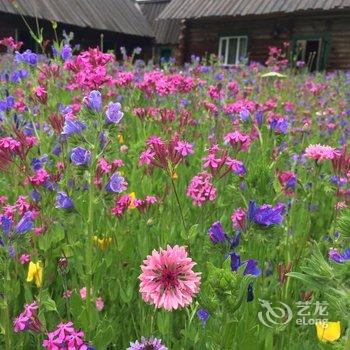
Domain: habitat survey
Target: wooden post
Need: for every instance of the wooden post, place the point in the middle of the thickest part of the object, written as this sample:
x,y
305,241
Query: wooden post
x,y
180,53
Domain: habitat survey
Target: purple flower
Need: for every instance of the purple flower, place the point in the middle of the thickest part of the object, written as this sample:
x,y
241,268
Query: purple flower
x,y
266,215
66,52
244,114
35,195
114,114
338,257
6,224
71,127
80,156
251,268
250,292
63,201
147,344
203,316
94,101
251,265
216,233
27,57
235,261
25,224
116,184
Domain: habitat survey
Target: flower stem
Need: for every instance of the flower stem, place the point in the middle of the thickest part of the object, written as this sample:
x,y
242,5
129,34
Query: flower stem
x,y
89,250
178,204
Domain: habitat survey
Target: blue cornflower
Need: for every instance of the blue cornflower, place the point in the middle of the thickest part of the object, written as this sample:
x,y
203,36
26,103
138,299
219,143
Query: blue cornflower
x,y
25,224
116,184
63,201
80,156
266,215
216,233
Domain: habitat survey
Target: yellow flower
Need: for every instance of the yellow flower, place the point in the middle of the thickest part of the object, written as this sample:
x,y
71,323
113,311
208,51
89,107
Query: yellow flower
x,y
328,331
35,272
102,243
120,138
174,176
132,200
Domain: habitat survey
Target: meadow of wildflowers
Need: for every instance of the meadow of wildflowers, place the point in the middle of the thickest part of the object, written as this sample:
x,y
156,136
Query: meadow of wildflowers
x,y
182,208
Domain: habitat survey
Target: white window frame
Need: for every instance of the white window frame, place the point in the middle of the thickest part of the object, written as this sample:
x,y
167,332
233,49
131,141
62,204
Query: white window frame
x,y
227,38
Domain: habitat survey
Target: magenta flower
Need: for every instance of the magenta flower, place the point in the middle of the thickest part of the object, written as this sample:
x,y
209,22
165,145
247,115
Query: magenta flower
x,y
201,189
238,140
167,278
238,219
184,148
27,319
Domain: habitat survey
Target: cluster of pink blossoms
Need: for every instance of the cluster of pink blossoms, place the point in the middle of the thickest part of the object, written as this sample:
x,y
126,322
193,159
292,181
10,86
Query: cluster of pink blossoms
x,y
65,337
11,43
90,70
201,189
220,164
165,155
125,202
238,140
28,319
163,85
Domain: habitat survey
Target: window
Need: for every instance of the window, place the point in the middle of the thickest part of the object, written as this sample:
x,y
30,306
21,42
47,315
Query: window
x,y
232,49
310,51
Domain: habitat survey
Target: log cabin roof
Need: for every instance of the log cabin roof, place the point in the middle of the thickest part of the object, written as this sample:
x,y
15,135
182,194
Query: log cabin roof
x,y
121,16
184,9
166,32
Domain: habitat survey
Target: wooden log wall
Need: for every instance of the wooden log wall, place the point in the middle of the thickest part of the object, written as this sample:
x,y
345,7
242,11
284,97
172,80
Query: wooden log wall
x,y
202,36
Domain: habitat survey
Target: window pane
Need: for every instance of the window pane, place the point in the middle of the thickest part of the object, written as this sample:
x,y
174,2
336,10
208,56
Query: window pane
x,y
242,48
232,51
222,53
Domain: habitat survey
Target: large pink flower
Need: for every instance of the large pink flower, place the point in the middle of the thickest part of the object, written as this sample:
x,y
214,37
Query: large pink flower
x,y
320,152
167,278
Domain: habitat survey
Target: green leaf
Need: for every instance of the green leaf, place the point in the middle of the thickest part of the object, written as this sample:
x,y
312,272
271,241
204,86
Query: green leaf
x,y
104,338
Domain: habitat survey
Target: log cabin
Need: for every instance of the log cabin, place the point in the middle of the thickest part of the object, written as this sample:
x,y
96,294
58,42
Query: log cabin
x,y
239,30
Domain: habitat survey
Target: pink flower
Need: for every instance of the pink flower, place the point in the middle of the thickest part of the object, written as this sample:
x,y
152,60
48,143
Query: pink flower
x,y
67,294
39,178
238,140
320,152
82,293
146,157
24,259
184,148
41,94
99,304
167,278
201,189
238,219
104,166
